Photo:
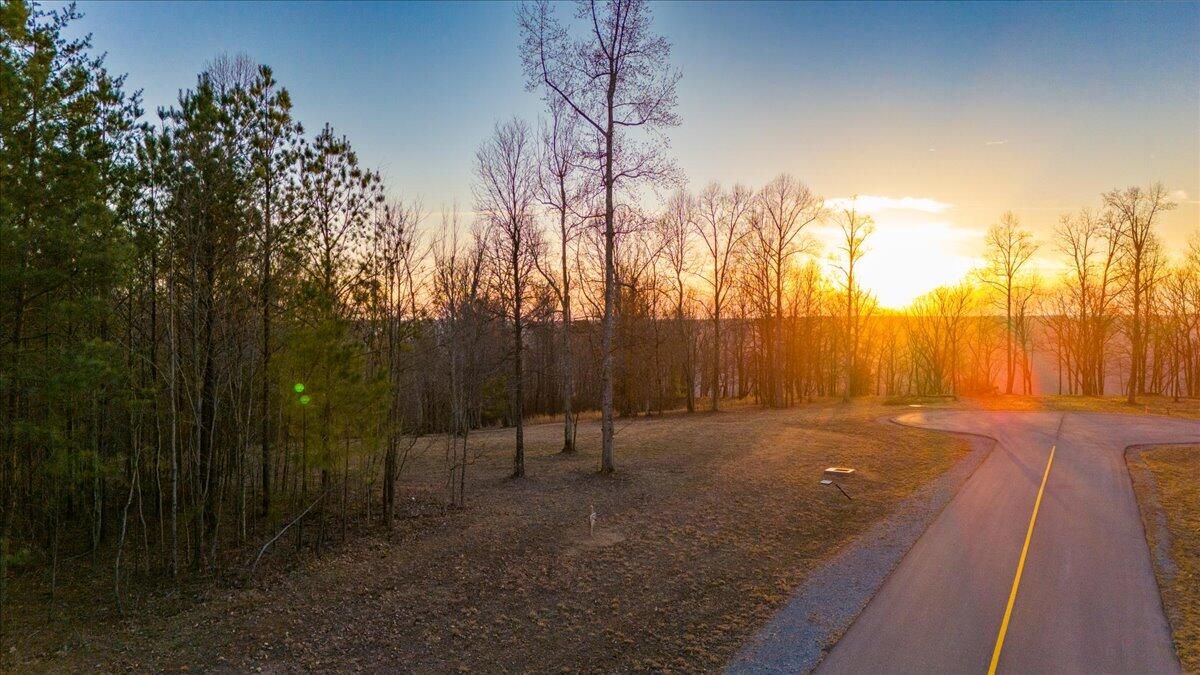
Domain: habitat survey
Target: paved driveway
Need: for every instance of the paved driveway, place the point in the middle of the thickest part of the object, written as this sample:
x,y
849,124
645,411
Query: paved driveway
x,y
1053,500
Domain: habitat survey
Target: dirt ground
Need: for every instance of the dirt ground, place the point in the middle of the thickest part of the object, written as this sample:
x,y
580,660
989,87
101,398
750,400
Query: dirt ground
x,y
710,523
1171,512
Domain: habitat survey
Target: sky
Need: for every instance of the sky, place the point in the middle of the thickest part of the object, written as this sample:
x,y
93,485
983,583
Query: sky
x,y
939,116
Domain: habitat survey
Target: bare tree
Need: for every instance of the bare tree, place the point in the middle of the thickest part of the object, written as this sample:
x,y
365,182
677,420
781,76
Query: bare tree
x,y
231,71
1188,309
787,207
935,328
393,267
456,284
1136,212
615,77
1024,303
721,224
856,229
808,293
1181,311
1009,248
564,194
1090,243
505,181
678,223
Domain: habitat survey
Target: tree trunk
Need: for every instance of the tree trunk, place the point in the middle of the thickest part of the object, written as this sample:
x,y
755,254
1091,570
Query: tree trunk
x,y
777,375
850,346
1008,340
389,481
1135,335
518,364
172,392
266,357
205,422
568,368
688,374
715,404
607,465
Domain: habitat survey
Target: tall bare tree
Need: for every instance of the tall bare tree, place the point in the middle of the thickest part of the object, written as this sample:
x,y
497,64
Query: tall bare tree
x,y
616,77
1092,284
562,191
1025,301
505,184
787,208
1009,248
231,72
856,228
1181,312
935,329
678,224
721,223
456,290
393,267
1137,210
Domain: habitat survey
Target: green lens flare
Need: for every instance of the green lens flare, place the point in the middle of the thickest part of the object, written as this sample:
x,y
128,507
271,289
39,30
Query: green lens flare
x,y
298,387
304,400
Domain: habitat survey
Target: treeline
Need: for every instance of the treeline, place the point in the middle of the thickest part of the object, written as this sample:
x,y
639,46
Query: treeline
x,y
1122,315
219,327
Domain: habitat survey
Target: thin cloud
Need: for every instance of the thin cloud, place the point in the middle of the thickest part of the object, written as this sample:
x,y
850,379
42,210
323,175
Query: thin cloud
x,y
1004,142
877,203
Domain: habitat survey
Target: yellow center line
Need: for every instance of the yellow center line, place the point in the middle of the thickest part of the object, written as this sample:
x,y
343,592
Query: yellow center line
x,y
1012,595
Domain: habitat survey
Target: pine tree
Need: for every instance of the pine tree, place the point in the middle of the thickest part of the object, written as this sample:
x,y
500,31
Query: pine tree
x,y
67,133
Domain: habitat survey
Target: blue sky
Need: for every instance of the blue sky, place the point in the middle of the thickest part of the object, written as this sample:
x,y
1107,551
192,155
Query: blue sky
x,y
985,107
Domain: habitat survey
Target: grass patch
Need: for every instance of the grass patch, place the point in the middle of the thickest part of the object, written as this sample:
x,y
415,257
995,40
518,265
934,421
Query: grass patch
x,y
1146,405
1171,510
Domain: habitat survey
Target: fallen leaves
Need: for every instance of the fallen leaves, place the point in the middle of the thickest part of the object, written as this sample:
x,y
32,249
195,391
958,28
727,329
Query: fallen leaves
x,y
709,525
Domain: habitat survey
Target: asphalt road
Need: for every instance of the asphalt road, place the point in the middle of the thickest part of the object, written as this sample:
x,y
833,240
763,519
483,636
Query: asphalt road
x,y
1086,599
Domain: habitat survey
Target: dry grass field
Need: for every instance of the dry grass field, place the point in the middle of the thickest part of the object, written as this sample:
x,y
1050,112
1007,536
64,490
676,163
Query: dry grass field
x,y
1171,507
710,523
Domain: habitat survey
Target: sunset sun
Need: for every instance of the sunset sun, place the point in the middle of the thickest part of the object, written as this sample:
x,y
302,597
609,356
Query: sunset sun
x,y
916,246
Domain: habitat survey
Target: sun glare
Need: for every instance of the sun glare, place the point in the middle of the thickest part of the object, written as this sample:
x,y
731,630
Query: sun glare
x,y
906,262
914,249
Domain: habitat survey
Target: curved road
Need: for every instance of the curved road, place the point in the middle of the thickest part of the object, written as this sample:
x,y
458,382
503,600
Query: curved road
x,y
1085,599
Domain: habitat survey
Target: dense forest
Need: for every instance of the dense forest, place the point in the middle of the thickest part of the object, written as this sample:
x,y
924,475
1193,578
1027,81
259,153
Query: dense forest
x,y
217,325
